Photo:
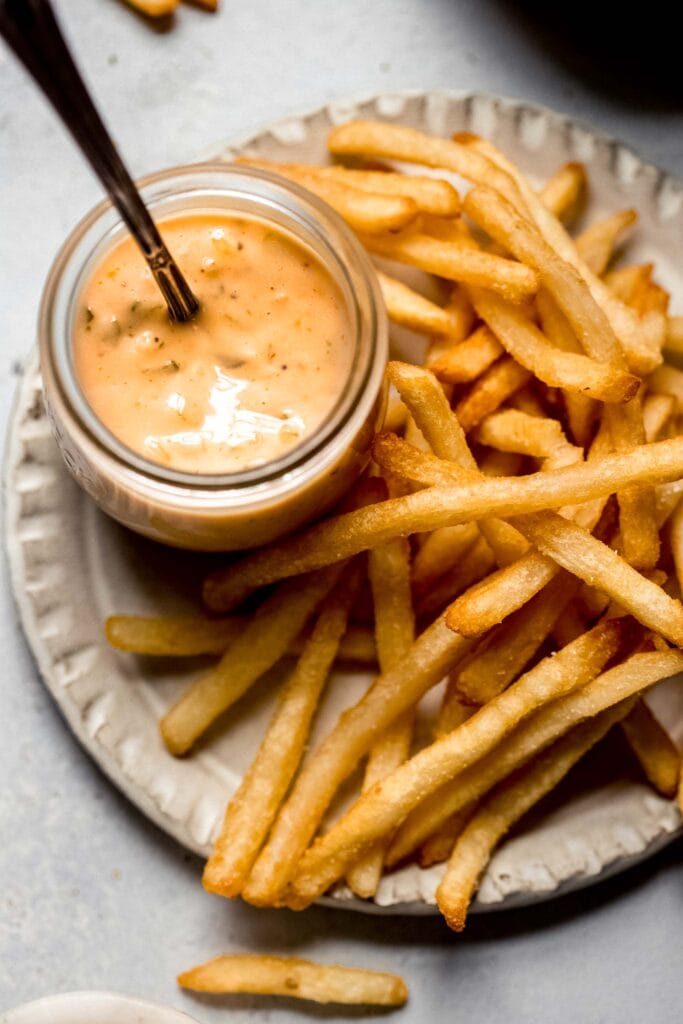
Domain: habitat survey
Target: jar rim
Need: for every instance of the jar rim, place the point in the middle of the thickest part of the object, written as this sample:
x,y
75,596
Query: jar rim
x,y
309,220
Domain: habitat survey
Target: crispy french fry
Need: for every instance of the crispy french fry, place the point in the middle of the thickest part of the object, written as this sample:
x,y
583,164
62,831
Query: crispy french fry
x,y
252,810
676,539
519,235
438,847
477,563
410,309
514,431
570,371
585,556
667,380
433,196
441,551
154,8
596,244
295,979
462,363
565,192
629,283
257,648
389,570
505,806
637,512
506,650
369,213
392,694
674,335
657,411
456,261
424,398
350,533
386,805
494,387
617,684
653,747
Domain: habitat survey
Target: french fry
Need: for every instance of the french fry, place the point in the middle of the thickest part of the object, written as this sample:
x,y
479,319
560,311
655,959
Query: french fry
x,y
494,387
441,550
657,411
154,8
596,244
382,808
637,513
396,416
348,534
461,313
392,694
462,363
295,979
410,309
676,540
674,335
456,261
514,431
505,806
506,650
251,811
565,192
617,684
654,749
433,196
369,213
667,380
629,283
585,556
477,563
438,847
520,236
389,571
634,336
258,647
424,398
453,711
570,371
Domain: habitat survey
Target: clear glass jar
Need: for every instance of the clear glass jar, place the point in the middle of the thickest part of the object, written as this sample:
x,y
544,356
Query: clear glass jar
x,y
239,510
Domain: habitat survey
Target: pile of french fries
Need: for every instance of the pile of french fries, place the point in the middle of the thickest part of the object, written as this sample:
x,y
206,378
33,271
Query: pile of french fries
x,y
521,529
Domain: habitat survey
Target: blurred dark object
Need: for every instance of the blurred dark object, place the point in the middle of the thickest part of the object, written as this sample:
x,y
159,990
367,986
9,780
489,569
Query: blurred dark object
x,y
634,53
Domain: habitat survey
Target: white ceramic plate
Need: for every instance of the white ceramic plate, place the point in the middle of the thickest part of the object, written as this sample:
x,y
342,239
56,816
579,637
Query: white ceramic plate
x,y
93,1008
71,567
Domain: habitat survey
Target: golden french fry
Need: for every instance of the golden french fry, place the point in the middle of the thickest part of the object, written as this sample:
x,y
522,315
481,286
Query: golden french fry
x,y
252,810
350,533
596,244
438,847
441,551
657,411
431,195
653,747
386,805
410,309
514,431
506,650
477,563
424,398
634,336
674,335
502,221
494,387
154,8
565,192
369,213
667,380
628,283
456,261
585,556
570,371
389,571
464,362
392,694
676,539
295,979
258,647
506,805
617,684
637,510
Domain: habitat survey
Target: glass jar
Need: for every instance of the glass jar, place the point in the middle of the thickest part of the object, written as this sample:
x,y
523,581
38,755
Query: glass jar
x,y
237,510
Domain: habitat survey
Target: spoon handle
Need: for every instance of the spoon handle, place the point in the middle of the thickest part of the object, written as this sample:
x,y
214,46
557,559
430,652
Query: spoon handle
x,y
32,31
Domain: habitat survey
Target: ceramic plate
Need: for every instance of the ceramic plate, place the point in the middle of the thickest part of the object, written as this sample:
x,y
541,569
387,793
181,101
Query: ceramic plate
x,y
71,567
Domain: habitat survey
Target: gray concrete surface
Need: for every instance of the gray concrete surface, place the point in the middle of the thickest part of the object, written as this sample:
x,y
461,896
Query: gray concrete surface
x,y
91,895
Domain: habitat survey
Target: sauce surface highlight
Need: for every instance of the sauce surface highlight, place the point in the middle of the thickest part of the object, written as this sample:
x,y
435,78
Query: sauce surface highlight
x,y
254,374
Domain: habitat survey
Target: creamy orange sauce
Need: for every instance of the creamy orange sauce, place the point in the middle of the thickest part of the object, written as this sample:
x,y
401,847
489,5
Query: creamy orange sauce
x,y
255,373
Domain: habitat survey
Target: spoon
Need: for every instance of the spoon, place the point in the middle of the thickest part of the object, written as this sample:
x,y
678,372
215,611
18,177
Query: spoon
x,y
32,31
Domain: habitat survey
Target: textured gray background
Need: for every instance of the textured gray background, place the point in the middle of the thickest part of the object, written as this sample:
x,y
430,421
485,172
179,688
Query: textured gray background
x,y
91,895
